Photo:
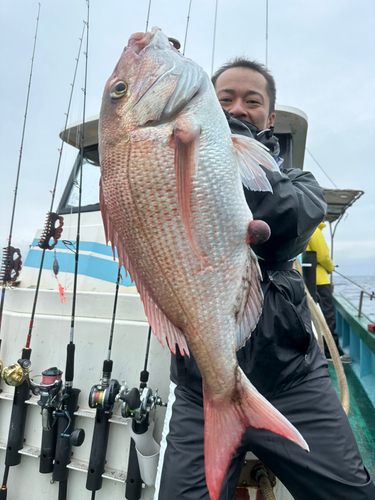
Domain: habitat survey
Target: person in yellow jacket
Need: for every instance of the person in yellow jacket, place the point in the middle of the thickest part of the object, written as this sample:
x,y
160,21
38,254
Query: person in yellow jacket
x,y
325,267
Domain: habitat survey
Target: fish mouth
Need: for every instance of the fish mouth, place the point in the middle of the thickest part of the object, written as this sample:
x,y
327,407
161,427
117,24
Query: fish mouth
x,y
139,41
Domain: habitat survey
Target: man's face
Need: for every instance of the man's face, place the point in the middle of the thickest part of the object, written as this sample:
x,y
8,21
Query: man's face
x,y
243,93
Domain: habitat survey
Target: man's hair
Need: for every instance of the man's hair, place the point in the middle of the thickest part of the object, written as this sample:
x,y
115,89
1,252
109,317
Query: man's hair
x,y
239,62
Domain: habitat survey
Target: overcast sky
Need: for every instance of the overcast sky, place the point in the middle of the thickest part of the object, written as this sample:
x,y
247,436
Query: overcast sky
x,y
320,52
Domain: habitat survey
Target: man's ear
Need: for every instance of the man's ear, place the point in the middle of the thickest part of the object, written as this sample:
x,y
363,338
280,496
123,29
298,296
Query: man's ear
x,y
271,120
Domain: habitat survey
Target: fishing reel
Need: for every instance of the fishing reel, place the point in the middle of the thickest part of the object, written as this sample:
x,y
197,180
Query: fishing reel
x,y
76,436
49,391
54,404
16,374
137,403
104,396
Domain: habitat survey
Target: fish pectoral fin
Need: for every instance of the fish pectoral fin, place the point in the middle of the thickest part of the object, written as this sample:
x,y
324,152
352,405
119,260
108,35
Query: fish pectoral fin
x,y
250,154
186,158
190,78
226,420
252,308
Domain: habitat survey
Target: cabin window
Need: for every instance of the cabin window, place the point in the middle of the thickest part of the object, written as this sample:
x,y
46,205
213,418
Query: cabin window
x,y
90,184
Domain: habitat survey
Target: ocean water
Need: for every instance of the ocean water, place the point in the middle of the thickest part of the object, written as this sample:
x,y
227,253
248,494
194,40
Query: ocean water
x,y
352,292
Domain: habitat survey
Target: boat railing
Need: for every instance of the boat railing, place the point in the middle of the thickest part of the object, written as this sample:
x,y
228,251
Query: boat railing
x,y
363,291
357,340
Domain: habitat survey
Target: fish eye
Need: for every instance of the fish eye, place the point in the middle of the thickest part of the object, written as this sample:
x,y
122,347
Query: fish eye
x,y
119,89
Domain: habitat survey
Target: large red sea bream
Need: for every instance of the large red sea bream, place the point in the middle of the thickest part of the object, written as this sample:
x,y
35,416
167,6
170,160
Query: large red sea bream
x,y
173,204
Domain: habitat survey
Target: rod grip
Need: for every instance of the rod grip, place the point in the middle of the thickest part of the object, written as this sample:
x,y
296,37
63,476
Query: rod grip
x,y
17,424
47,452
98,451
63,490
64,445
26,353
69,371
133,489
107,365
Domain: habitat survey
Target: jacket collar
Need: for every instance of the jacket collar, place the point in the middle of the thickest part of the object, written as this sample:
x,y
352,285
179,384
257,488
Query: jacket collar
x,y
266,136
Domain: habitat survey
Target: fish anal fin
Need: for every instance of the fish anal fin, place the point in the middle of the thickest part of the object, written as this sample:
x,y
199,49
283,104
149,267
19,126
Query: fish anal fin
x,y
160,324
226,420
250,154
186,157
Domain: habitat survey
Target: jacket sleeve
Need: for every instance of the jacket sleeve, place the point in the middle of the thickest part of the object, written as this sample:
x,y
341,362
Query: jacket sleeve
x,y
293,211
318,244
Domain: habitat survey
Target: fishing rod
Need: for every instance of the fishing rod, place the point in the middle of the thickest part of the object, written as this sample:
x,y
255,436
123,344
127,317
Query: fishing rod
x,y
67,435
51,384
102,398
10,270
214,39
12,263
137,405
187,27
148,14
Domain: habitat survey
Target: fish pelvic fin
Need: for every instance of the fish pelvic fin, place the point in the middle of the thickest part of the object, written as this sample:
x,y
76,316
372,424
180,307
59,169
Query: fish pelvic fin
x,y
252,308
105,217
250,154
225,422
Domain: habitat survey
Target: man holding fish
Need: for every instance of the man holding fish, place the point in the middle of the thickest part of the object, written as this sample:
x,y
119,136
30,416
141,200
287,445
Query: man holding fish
x,y
173,204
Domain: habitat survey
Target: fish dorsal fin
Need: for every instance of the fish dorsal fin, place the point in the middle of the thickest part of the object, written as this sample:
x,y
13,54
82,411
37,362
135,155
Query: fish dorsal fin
x,y
250,154
160,324
186,157
253,307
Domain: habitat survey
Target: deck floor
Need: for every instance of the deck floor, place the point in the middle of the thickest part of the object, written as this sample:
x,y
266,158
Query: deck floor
x,y
361,417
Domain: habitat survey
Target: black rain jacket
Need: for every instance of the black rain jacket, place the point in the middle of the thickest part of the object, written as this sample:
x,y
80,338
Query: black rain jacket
x,y
282,350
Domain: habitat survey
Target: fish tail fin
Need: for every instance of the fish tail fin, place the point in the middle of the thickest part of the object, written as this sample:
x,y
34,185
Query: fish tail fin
x,y
226,421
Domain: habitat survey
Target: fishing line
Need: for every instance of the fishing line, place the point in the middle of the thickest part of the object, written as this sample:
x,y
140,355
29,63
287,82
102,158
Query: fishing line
x,y
321,168
213,43
187,27
6,271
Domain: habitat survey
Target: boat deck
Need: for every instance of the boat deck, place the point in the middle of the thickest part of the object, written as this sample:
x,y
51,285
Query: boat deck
x,y
361,417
